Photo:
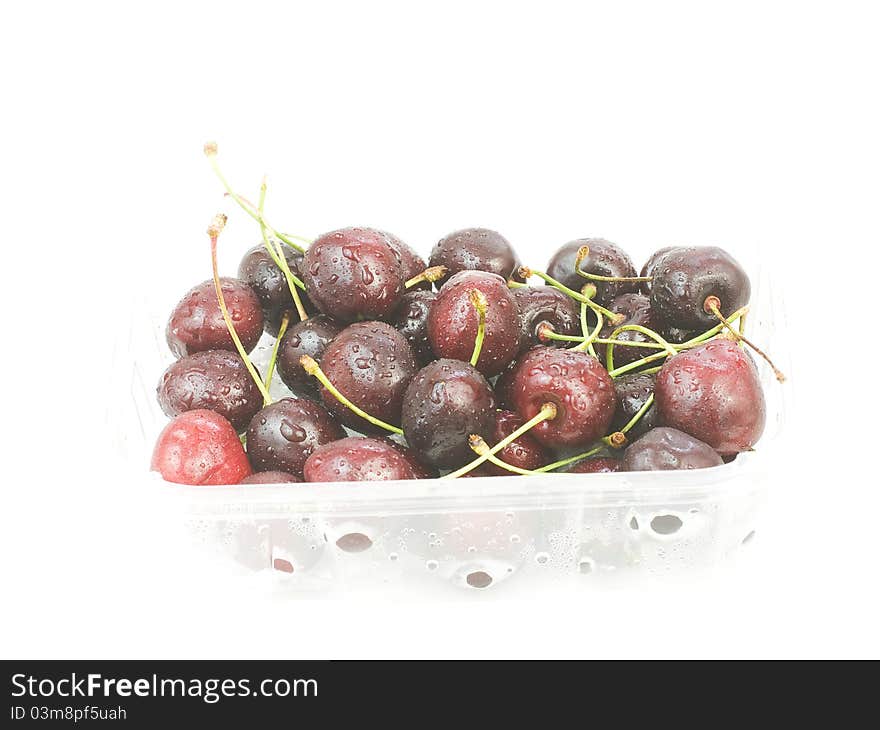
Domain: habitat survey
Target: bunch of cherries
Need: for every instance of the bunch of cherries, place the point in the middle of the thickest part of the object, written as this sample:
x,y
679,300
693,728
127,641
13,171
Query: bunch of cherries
x,y
600,369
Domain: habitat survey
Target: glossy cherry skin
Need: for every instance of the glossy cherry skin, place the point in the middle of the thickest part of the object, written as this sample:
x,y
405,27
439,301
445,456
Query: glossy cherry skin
x,y
525,452
685,277
370,363
285,433
596,465
311,338
271,477
576,384
667,449
633,390
474,249
650,265
605,259
358,459
543,305
447,401
637,310
353,273
420,468
214,380
411,320
196,323
261,273
200,447
411,264
453,321
713,392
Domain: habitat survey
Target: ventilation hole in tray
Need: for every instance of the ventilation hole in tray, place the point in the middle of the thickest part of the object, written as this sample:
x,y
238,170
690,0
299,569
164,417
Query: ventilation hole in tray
x,y
748,538
634,524
585,566
666,524
354,542
479,579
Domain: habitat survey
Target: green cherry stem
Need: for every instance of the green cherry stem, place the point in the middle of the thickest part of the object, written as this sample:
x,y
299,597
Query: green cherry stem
x,y
525,272
638,414
313,369
214,233
270,368
481,448
570,460
478,300
609,351
516,284
712,305
547,413
583,252
431,274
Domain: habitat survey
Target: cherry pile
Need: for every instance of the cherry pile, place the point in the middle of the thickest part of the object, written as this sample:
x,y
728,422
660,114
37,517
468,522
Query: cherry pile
x,y
399,368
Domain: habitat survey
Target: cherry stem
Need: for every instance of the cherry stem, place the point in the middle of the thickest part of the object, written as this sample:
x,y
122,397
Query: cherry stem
x,y
210,150
270,370
280,259
313,369
713,305
214,233
638,414
609,351
547,413
478,300
525,272
431,274
482,449
570,460
516,284
590,337
583,252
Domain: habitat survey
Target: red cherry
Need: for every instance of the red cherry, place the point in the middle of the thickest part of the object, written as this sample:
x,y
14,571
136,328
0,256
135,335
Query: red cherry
x,y
200,447
358,459
525,452
601,465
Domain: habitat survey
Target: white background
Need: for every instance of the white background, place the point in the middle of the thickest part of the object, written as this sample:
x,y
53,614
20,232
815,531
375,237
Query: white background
x,y
648,123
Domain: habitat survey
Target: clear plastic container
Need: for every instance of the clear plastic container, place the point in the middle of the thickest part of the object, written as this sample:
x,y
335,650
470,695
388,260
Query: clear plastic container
x,y
474,534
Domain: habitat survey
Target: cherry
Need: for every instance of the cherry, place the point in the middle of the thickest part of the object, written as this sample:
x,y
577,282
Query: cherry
x,y
446,402
650,265
685,278
663,449
525,452
353,273
358,459
605,259
261,273
311,338
200,447
214,380
411,320
271,477
370,363
636,309
676,335
633,391
283,434
411,264
196,323
454,321
420,468
713,393
474,249
597,465
575,383
544,306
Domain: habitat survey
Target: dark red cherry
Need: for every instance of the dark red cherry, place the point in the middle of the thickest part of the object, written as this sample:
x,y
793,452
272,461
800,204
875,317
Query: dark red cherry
x,y
447,401
525,452
685,278
411,320
475,249
596,465
633,390
261,273
575,383
664,449
370,363
713,392
541,306
214,380
358,459
650,265
421,469
283,435
353,273
637,310
311,338
200,447
196,323
411,264
676,335
271,477
605,259
453,321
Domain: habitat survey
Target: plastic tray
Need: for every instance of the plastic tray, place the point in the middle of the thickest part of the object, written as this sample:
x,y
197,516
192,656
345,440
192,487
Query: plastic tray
x,y
475,533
